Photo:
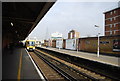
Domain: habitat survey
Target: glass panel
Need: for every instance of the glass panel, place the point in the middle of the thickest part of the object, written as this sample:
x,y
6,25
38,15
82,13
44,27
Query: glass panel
x,y
31,43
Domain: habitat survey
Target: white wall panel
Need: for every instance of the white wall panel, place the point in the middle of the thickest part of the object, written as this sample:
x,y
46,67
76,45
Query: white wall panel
x,y
71,44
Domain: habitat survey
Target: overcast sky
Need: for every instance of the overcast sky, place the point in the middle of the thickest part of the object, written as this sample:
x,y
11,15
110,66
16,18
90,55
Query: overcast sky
x,y
80,16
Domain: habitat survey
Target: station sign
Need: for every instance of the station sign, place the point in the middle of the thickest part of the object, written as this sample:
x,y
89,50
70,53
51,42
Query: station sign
x,y
104,42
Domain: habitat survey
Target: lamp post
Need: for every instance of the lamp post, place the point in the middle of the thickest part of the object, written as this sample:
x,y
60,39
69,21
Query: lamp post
x,y
98,47
77,44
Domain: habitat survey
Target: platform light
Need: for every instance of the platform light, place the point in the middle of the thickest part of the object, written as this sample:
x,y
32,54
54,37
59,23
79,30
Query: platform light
x,y
96,26
11,24
98,48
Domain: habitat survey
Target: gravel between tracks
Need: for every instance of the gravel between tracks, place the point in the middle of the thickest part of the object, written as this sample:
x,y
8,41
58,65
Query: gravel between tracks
x,y
49,73
89,73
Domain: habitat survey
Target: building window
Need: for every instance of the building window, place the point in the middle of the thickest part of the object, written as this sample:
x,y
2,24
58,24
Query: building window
x,y
114,18
111,13
114,11
114,25
114,31
110,19
110,32
110,25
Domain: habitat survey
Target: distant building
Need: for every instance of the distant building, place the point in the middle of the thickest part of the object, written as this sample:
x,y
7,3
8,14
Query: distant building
x,y
45,43
73,34
56,35
112,22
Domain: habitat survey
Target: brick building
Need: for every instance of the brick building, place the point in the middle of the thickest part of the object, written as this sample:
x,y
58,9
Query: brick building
x,y
73,34
112,22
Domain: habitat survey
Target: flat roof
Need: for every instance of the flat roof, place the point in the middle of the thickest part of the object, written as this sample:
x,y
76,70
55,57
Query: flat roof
x,y
111,10
101,36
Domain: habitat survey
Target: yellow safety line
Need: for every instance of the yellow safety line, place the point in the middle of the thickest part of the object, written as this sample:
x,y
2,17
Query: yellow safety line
x,y
20,64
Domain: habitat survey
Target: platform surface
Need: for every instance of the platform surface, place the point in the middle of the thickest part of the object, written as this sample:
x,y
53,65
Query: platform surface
x,y
12,68
111,60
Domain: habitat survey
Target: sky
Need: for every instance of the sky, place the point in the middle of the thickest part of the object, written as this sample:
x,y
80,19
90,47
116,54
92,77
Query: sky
x,y
80,16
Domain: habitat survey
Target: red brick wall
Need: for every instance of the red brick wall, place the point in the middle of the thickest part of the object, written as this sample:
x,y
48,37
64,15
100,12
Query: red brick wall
x,y
108,14
115,19
90,44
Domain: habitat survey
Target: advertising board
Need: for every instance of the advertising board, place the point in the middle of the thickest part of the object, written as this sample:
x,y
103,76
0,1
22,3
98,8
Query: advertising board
x,y
59,43
71,44
116,45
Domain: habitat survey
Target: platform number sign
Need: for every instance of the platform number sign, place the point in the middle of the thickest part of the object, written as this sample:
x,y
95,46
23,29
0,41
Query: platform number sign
x,y
116,45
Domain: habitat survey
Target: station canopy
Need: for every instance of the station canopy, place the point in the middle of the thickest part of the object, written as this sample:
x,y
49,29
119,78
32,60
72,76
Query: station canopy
x,y
20,18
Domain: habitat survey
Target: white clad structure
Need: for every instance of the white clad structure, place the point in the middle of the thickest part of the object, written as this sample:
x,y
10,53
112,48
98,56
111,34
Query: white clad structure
x,y
56,35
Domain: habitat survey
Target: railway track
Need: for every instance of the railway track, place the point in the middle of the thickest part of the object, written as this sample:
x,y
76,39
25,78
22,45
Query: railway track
x,y
48,73
64,70
51,72
108,71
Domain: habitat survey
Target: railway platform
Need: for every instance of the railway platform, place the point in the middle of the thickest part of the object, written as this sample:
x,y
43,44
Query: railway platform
x,y
17,65
110,60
